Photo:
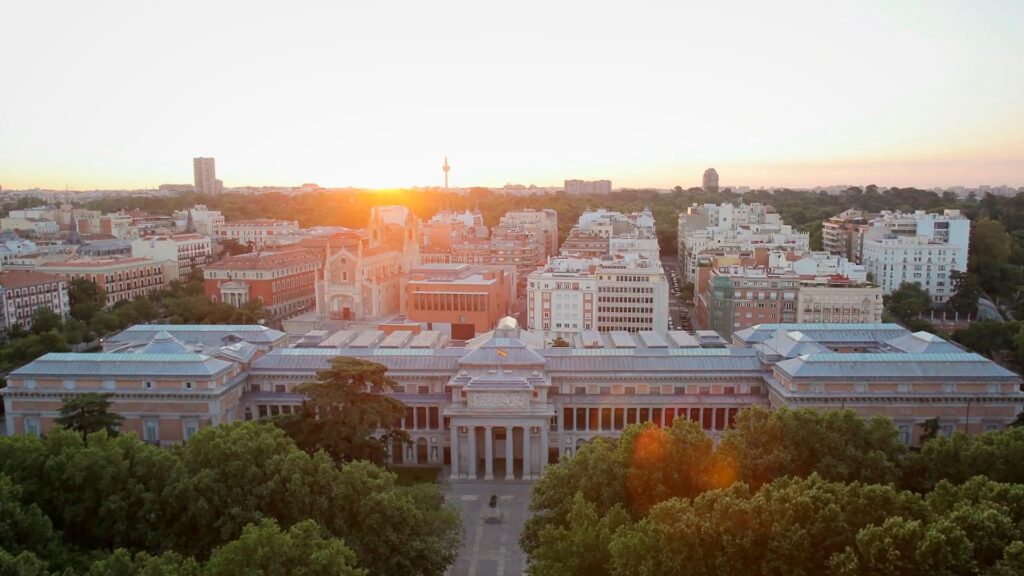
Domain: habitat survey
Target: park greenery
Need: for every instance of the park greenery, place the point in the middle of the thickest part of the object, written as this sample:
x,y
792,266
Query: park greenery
x,y
181,302
236,499
784,492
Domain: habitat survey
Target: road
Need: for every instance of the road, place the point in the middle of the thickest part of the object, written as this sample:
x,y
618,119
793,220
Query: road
x,y
679,313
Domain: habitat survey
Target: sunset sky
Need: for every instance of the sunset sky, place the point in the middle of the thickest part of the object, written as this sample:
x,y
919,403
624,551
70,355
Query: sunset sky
x,y
122,94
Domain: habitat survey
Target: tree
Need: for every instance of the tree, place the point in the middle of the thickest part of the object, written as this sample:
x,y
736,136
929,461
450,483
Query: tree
x,y
580,548
968,291
305,549
23,350
908,302
86,299
88,413
122,563
559,342
838,445
392,529
597,471
929,429
23,527
348,413
46,320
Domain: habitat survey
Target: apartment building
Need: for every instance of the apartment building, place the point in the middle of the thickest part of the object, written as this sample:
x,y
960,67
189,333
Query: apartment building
x,y
842,235
184,253
23,292
257,232
121,278
604,232
782,287
543,224
572,295
892,260
729,228
578,187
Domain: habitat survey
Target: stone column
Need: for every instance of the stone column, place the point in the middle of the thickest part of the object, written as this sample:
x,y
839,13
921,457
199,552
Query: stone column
x,y
415,451
488,453
509,453
471,464
543,448
455,450
526,453
714,417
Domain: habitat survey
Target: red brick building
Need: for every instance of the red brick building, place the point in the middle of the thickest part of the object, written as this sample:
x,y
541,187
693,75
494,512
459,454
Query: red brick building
x,y
285,280
470,299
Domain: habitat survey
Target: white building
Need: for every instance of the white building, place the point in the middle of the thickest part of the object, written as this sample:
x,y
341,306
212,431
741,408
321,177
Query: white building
x,y
38,226
184,253
604,232
199,219
588,187
729,228
541,223
892,260
256,232
574,295
950,227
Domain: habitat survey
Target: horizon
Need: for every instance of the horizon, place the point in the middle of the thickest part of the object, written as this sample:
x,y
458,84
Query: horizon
x,y
374,97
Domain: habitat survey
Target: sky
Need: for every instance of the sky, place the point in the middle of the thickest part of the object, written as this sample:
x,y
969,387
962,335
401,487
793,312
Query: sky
x,y
123,94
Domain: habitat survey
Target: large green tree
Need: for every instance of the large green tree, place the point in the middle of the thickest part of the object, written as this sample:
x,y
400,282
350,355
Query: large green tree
x,y
105,493
837,445
348,412
89,412
908,301
305,549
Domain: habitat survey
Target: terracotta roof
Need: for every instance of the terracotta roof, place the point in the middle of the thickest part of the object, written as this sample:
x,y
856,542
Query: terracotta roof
x,y
260,222
22,278
264,260
98,262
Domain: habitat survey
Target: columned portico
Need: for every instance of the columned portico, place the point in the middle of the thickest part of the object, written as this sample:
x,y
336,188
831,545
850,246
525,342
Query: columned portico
x,y
519,450
509,452
488,453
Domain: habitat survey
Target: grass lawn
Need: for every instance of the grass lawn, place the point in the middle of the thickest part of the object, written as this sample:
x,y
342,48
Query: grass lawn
x,y
409,475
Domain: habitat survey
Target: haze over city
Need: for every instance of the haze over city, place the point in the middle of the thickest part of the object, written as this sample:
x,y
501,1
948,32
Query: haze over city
x,y
121,94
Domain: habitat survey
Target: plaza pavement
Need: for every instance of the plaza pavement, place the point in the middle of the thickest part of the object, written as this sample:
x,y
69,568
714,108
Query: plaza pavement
x,y
490,549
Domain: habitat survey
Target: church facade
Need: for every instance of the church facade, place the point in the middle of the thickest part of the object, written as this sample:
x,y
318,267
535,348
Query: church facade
x,y
362,278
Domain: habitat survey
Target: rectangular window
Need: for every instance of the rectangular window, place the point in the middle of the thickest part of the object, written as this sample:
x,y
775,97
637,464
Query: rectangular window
x,y
190,428
151,431
32,427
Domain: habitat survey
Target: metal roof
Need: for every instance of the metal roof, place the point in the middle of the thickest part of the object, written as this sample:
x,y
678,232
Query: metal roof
x,y
825,332
208,334
118,364
963,365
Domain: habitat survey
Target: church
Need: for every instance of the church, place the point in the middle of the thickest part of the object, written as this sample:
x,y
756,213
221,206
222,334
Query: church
x,y
362,277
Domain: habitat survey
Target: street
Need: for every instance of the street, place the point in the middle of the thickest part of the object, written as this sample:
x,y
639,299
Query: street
x,y
678,311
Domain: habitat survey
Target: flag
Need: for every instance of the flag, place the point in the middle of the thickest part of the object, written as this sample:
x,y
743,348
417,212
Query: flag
x,y
502,353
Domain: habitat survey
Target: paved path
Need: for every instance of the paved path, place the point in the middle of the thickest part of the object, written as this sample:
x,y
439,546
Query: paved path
x,y
490,549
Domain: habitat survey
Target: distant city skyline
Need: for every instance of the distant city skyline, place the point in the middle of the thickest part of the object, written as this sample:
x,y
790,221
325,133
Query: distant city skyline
x,y
374,96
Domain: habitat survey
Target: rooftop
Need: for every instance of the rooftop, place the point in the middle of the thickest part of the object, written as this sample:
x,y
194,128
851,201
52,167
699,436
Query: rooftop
x,y
21,278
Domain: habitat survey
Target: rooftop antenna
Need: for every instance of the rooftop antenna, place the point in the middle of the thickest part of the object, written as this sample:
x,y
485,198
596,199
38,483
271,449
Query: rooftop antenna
x,y
446,168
